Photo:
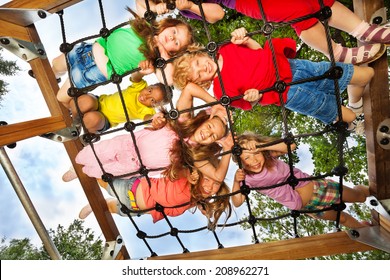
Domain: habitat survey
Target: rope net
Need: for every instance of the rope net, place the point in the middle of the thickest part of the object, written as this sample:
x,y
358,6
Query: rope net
x,y
266,30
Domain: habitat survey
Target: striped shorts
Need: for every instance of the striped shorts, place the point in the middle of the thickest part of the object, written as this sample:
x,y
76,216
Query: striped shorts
x,y
325,193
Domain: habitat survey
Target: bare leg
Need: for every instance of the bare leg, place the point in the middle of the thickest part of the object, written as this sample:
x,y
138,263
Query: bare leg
x,y
59,65
94,121
360,79
343,18
62,95
345,219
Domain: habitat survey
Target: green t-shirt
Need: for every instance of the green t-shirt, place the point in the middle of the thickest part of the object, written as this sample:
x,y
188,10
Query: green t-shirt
x,y
121,48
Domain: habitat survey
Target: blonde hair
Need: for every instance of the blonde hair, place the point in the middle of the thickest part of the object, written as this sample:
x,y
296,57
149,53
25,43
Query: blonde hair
x,y
147,31
182,67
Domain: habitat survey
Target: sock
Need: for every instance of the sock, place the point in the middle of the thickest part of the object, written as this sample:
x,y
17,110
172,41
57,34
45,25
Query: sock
x,y
360,29
356,105
337,52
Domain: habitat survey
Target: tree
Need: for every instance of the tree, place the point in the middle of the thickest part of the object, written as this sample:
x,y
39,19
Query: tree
x,y
73,243
7,68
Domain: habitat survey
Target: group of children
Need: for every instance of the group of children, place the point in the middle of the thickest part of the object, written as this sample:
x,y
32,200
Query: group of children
x,y
182,155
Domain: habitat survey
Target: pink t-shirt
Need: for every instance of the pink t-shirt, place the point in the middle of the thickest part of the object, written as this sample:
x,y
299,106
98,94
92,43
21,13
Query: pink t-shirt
x,y
284,194
118,155
168,194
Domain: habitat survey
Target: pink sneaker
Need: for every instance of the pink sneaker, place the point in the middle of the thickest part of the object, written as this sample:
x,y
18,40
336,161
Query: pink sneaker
x,y
69,175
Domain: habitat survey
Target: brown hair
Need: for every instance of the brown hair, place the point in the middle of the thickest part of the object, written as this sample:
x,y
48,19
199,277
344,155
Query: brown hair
x,y
214,206
182,67
166,93
182,153
249,136
147,31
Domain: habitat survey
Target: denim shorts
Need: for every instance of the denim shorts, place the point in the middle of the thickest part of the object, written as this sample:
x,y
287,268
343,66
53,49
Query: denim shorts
x,y
83,69
122,187
316,98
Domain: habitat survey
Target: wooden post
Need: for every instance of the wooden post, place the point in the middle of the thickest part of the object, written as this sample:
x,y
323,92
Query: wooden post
x,y
376,109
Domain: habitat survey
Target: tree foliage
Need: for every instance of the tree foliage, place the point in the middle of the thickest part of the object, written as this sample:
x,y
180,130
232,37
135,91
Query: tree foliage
x,y
73,243
7,68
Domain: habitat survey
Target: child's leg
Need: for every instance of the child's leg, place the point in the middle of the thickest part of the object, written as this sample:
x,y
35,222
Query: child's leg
x,y
59,65
345,20
315,37
360,79
86,102
358,193
111,205
62,95
94,121
345,219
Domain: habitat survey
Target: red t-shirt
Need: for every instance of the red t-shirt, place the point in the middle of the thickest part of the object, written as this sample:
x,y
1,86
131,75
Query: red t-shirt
x,y
244,68
283,10
168,194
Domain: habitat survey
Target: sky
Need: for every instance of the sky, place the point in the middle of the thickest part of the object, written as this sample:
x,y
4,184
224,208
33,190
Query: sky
x,y
40,162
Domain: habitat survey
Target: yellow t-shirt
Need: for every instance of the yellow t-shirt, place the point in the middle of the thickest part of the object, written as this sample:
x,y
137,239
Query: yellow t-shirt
x,y
110,105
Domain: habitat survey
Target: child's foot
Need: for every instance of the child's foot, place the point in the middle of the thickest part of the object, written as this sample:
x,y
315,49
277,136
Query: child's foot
x,y
85,211
361,55
69,175
357,126
373,33
356,109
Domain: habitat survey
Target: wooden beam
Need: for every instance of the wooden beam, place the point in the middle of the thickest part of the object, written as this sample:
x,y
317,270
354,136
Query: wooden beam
x,y
51,6
292,249
376,109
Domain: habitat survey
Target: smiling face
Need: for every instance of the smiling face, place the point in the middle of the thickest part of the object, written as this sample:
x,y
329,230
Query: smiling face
x,y
209,132
209,187
253,160
150,96
203,69
174,39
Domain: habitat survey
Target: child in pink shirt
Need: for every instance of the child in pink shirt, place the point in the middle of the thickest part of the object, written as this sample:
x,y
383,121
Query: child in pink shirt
x,y
261,170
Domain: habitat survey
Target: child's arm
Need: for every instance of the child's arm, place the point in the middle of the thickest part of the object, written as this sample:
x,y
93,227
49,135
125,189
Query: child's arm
x,y
239,38
146,69
217,173
238,199
213,12
276,149
253,96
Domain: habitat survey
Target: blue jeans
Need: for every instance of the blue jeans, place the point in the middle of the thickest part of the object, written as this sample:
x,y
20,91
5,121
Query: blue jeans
x,y
316,98
83,69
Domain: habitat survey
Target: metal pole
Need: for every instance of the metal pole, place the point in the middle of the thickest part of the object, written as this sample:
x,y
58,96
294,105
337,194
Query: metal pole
x,y
27,204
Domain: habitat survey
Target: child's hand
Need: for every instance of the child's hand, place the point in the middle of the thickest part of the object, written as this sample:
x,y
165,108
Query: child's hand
x,y
226,142
183,4
239,176
158,121
146,67
161,9
239,36
194,177
250,145
252,95
220,111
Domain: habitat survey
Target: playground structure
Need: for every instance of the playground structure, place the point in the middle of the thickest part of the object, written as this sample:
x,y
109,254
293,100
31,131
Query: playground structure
x,y
18,34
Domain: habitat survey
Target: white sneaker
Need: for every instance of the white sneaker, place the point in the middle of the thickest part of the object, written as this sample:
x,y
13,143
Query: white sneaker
x,y
357,126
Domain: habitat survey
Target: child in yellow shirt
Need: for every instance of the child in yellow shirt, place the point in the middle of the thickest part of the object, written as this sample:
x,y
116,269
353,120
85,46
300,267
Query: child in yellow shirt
x,y
100,113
